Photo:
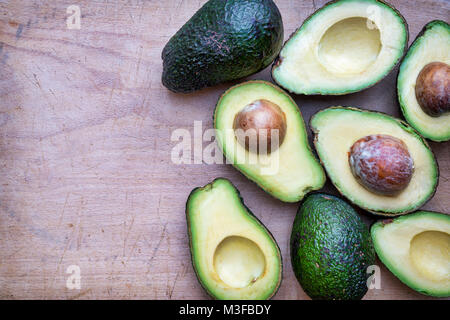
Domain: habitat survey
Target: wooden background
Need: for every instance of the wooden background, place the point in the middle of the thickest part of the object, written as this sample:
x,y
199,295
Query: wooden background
x,y
86,176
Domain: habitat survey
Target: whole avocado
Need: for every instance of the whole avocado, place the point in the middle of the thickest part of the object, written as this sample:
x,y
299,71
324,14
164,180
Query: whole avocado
x,y
331,249
224,40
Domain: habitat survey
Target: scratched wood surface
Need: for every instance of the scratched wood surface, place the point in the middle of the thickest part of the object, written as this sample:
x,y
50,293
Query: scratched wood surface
x,y
86,176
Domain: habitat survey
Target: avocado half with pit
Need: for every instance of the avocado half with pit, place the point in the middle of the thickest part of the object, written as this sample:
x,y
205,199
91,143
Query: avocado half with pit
x,y
233,254
286,169
416,249
378,162
345,46
423,83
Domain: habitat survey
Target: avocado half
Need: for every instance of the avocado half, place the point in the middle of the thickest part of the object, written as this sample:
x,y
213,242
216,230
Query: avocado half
x,y
416,249
222,41
345,46
233,254
337,128
431,45
287,173
331,249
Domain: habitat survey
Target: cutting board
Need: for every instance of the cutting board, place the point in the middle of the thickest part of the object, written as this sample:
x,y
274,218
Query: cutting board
x,y
87,184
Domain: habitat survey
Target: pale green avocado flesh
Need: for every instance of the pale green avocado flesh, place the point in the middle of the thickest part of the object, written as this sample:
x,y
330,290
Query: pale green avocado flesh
x,y
346,46
233,254
338,128
287,173
432,45
416,249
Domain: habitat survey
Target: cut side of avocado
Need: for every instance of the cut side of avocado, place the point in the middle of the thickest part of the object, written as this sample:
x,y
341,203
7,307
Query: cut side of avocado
x,y
431,45
287,173
416,249
346,46
233,254
336,130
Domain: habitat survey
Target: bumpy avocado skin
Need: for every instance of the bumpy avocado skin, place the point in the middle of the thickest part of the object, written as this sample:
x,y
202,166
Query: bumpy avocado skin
x,y
223,41
331,249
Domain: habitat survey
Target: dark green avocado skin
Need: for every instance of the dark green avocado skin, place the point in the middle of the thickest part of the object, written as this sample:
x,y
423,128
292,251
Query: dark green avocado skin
x,y
331,249
224,40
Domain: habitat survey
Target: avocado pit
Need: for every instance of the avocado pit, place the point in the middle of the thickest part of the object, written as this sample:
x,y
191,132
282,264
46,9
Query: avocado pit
x,y
433,89
260,126
381,163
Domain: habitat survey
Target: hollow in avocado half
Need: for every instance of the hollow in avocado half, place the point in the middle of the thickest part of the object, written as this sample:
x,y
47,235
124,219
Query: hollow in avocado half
x,y
378,162
345,46
423,83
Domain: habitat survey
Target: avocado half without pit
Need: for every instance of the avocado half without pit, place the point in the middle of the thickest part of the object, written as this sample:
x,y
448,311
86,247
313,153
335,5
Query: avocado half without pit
x,y
378,162
423,83
262,133
233,254
345,46
416,249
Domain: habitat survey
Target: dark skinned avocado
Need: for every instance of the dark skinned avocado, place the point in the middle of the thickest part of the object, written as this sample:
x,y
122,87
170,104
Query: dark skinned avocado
x,y
345,46
416,249
423,83
223,41
234,256
331,249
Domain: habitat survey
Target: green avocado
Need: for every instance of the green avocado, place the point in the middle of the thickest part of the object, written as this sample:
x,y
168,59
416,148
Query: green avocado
x,y
233,254
416,249
345,46
331,249
431,45
336,130
223,41
290,171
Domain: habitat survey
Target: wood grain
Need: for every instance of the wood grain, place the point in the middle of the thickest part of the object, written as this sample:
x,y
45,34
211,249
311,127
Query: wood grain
x,y
85,144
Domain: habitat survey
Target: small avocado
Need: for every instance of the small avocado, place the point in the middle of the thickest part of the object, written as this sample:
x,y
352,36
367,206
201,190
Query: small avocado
x,y
345,46
252,111
376,161
223,41
416,249
331,249
423,83
233,254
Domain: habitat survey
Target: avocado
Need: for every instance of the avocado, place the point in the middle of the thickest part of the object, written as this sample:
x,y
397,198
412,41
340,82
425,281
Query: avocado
x,y
223,41
416,249
287,171
345,46
331,249
423,82
392,157
233,254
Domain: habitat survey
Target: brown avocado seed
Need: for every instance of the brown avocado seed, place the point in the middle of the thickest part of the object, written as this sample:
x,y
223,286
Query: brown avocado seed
x,y
258,123
381,163
433,89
